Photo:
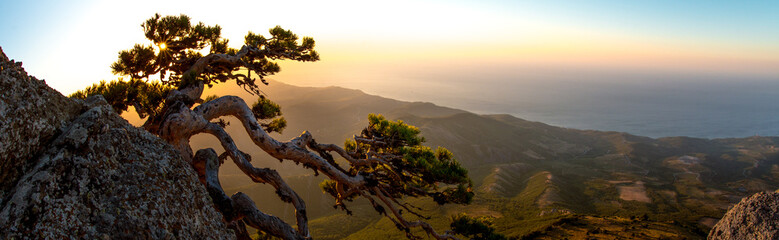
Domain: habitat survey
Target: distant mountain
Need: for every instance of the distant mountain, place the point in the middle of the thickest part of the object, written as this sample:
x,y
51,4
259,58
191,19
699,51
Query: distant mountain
x,y
537,180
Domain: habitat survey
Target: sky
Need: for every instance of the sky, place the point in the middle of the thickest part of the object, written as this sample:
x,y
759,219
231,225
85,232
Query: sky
x,y
400,48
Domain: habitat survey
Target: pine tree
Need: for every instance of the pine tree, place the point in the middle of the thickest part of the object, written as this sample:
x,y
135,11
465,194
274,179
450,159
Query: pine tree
x,y
167,77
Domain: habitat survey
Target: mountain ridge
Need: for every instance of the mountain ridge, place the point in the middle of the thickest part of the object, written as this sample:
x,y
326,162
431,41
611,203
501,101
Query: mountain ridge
x,y
533,180
598,178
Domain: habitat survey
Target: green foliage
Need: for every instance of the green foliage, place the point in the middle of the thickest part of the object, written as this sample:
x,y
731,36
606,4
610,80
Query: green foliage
x,y
328,186
438,166
460,194
396,134
177,44
405,167
210,98
475,228
146,97
265,109
276,125
137,62
269,115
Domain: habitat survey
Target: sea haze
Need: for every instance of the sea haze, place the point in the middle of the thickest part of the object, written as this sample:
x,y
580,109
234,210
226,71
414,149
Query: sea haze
x,y
658,105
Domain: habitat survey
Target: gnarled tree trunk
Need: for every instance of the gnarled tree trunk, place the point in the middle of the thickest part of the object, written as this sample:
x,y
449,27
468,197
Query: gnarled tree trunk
x,y
180,122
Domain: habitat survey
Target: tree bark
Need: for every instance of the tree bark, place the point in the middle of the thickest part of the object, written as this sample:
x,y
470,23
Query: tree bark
x,y
179,122
239,209
293,150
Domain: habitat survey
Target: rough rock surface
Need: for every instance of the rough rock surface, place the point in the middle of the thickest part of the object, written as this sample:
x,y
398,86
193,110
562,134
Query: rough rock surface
x,y
755,217
81,171
30,115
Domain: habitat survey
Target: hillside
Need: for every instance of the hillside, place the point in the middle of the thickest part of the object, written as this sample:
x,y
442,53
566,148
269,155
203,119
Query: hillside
x,y
534,178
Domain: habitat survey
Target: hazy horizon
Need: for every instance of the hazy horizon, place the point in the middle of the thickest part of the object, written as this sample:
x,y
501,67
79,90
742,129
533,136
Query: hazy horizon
x,y
674,90
681,106
660,68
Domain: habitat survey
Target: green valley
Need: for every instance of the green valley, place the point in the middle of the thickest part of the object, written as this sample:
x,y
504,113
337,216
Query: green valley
x,y
532,179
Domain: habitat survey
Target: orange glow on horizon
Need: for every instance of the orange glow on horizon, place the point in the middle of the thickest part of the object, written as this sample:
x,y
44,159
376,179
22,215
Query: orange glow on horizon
x,y
561,51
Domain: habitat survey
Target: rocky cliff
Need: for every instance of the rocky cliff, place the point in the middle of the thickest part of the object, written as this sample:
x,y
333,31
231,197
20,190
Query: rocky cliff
x,y
755,217
76,169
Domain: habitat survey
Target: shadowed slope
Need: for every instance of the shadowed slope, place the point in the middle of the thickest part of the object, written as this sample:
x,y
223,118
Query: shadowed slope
x,y
593,173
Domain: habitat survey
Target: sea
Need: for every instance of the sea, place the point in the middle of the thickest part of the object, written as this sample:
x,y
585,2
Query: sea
x,y
654,106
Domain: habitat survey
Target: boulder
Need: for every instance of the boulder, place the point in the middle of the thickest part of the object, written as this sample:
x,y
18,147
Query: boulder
x,y
755,217
76,169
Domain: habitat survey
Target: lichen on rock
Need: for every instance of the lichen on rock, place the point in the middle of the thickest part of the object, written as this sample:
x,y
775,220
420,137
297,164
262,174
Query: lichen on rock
x,y
76,169
755,217
31,113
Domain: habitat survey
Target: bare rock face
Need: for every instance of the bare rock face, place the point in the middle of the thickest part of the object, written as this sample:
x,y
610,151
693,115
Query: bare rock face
x,y
755,217
31,113
76,169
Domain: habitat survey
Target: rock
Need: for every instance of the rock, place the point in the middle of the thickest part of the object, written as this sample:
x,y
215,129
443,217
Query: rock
x,y
31,113
755,217
76,169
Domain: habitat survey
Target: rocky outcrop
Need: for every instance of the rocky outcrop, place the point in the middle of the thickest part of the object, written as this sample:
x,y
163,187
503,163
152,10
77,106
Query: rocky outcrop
x,y
755,217
31,113
76,169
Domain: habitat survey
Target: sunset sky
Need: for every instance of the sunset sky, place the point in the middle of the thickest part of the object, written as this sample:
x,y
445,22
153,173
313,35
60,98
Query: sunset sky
x,y
377,46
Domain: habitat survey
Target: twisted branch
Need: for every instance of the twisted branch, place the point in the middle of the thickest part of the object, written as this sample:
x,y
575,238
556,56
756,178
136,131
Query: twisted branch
x,y
262,175
240,208
295,150
180,123
429,229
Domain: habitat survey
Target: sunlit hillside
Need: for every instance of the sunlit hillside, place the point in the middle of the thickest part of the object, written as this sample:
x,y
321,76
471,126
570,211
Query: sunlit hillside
x,y
534,179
